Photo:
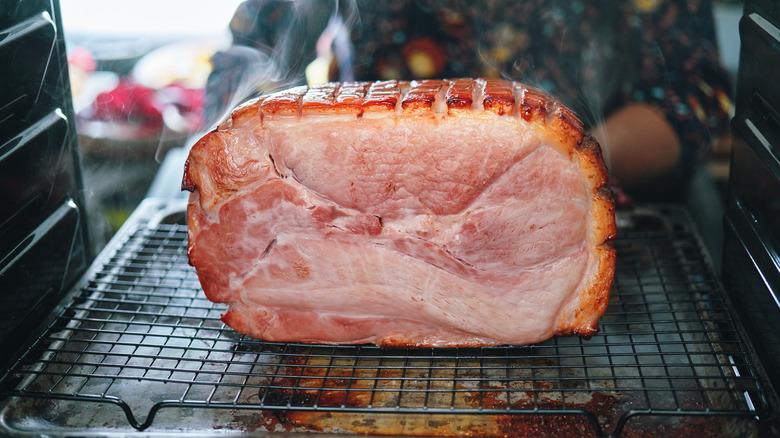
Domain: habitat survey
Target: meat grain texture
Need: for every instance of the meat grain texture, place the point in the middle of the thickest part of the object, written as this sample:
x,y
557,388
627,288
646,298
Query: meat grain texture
x,y
432,213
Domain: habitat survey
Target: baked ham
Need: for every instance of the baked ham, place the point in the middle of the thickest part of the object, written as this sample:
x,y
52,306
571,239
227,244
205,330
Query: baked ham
x,y
434,213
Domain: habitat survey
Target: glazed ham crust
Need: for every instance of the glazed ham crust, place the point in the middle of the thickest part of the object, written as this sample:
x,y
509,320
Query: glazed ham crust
x,y
434,213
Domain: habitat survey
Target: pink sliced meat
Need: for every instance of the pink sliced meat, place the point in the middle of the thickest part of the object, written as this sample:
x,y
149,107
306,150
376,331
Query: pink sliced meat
x,y
433,213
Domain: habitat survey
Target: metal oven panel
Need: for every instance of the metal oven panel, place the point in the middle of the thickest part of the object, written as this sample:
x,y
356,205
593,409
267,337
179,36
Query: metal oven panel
x,y
755,167
26,45
137,346
751,267
44,245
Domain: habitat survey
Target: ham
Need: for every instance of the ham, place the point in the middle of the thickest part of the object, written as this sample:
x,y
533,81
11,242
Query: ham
x,y
435,213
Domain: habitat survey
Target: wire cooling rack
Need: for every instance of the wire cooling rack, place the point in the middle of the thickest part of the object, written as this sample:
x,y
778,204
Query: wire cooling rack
x,y
138,346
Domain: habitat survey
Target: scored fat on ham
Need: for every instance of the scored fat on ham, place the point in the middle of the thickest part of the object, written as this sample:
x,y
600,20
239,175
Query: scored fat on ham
x,y
434,213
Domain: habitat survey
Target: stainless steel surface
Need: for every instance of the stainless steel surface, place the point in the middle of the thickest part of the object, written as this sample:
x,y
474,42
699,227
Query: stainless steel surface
x,y
751,268
138,347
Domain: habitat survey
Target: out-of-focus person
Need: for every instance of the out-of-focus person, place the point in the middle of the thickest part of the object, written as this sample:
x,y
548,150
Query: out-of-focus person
x,y
644,75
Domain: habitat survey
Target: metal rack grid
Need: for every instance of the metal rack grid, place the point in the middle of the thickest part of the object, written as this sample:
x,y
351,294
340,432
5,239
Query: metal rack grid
x,y
139,335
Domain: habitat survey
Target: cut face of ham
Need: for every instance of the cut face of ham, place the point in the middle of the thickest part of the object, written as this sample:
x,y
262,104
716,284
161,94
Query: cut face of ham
x,y
433,213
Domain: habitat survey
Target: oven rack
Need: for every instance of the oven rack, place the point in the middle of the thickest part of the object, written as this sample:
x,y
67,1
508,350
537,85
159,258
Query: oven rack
x,y
137,346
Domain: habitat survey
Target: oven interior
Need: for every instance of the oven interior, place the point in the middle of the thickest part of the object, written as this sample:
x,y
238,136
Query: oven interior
x,y
124,341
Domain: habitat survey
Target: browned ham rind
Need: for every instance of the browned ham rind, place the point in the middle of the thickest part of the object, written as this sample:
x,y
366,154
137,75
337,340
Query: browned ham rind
x,y
432,213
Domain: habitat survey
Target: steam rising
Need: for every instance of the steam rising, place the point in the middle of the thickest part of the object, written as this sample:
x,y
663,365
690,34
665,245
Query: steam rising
x,y
310,36
250,67
592,74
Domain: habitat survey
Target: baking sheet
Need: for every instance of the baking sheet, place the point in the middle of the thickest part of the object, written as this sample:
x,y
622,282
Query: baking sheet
x,y
138,347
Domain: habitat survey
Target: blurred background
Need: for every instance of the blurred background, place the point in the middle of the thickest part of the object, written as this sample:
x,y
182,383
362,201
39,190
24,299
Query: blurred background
x,y
139,78
138,81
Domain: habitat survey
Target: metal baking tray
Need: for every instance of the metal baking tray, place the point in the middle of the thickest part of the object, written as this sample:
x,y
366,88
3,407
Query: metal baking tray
x,y
137,347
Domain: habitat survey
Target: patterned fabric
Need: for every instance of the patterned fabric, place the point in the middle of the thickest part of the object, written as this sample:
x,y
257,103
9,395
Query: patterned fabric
x,y
595,56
